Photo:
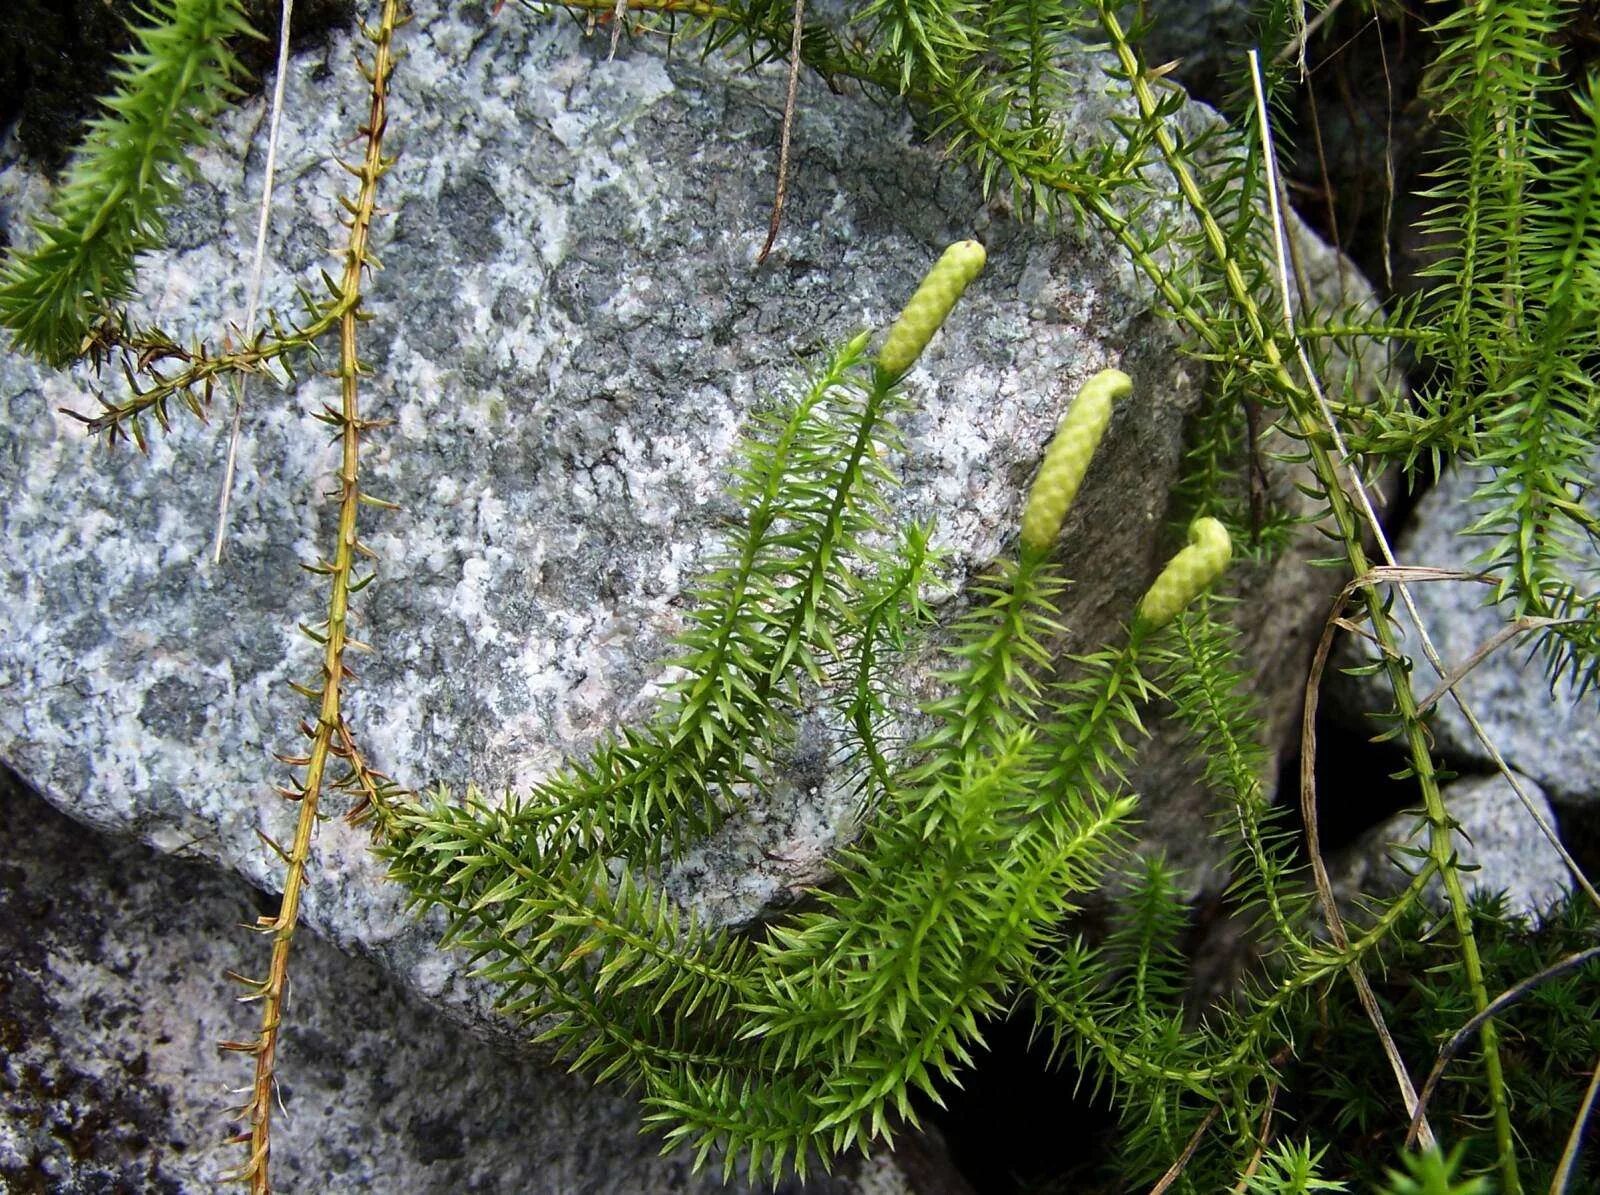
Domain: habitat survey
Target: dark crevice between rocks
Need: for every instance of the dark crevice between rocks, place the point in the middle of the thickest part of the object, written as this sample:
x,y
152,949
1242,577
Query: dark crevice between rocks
x,y
1580,833
1358,773
56,59
1341,133
1020,1124
1025,1122
1356,783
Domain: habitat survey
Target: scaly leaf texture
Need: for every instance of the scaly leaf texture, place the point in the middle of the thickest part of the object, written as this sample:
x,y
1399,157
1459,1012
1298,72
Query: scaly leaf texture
x,y
1210,698
1537,436
1512,313
956,881
768,620
108,209
803,1043
1209,278
1489,85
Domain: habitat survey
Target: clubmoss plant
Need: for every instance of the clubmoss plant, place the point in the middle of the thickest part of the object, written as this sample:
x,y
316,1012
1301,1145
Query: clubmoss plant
x,y
1189,574
789,1043
810,1037
1067,459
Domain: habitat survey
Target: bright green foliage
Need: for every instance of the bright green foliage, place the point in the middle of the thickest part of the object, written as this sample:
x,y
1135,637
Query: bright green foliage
x,y
1513,311
1210,699
109,207
1118,1008
812,1035
927,308
1188,573
799,1039
768,619
772,614
920,37
1290,1169
1067,459
1432,1173
1538,423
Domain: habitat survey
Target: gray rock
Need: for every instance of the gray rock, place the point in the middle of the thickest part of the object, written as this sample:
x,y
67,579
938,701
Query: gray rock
x,y
1499,843
113,999
1553,737
568,335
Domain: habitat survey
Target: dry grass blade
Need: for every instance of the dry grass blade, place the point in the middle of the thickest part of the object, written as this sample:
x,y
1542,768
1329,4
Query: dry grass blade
x,y
1263,1138
619,13
1509,998
1494,643
1569,1155
1164,1183
788,128
1319,868
253,296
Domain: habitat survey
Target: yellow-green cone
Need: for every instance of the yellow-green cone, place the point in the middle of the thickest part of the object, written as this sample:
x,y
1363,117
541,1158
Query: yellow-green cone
x,y
1188,573
927,309
1067,458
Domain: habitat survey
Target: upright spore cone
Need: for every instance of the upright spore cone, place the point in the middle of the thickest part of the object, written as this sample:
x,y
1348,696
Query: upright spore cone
x,y
1188,573
1067,458
927,309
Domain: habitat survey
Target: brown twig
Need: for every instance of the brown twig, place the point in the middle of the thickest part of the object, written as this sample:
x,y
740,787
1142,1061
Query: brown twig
x,y
374,790
784,135
203,369
1512,996
1164,1183
333,637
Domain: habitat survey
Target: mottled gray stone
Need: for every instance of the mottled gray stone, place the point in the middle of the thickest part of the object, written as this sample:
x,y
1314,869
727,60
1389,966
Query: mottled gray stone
x,y
1499,844
1552,736
113,999
569,333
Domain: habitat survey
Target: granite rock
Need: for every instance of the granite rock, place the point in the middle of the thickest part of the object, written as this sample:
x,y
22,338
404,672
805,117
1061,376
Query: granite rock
x,y
1500,846
111,1006
569,333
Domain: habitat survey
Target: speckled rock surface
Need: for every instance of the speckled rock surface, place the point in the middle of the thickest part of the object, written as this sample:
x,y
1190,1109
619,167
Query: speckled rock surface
x,y
1553,738
1499,843
569,332
111,1080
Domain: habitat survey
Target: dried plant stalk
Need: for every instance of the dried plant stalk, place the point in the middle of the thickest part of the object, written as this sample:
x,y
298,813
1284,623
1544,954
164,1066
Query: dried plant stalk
x,y
333,636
